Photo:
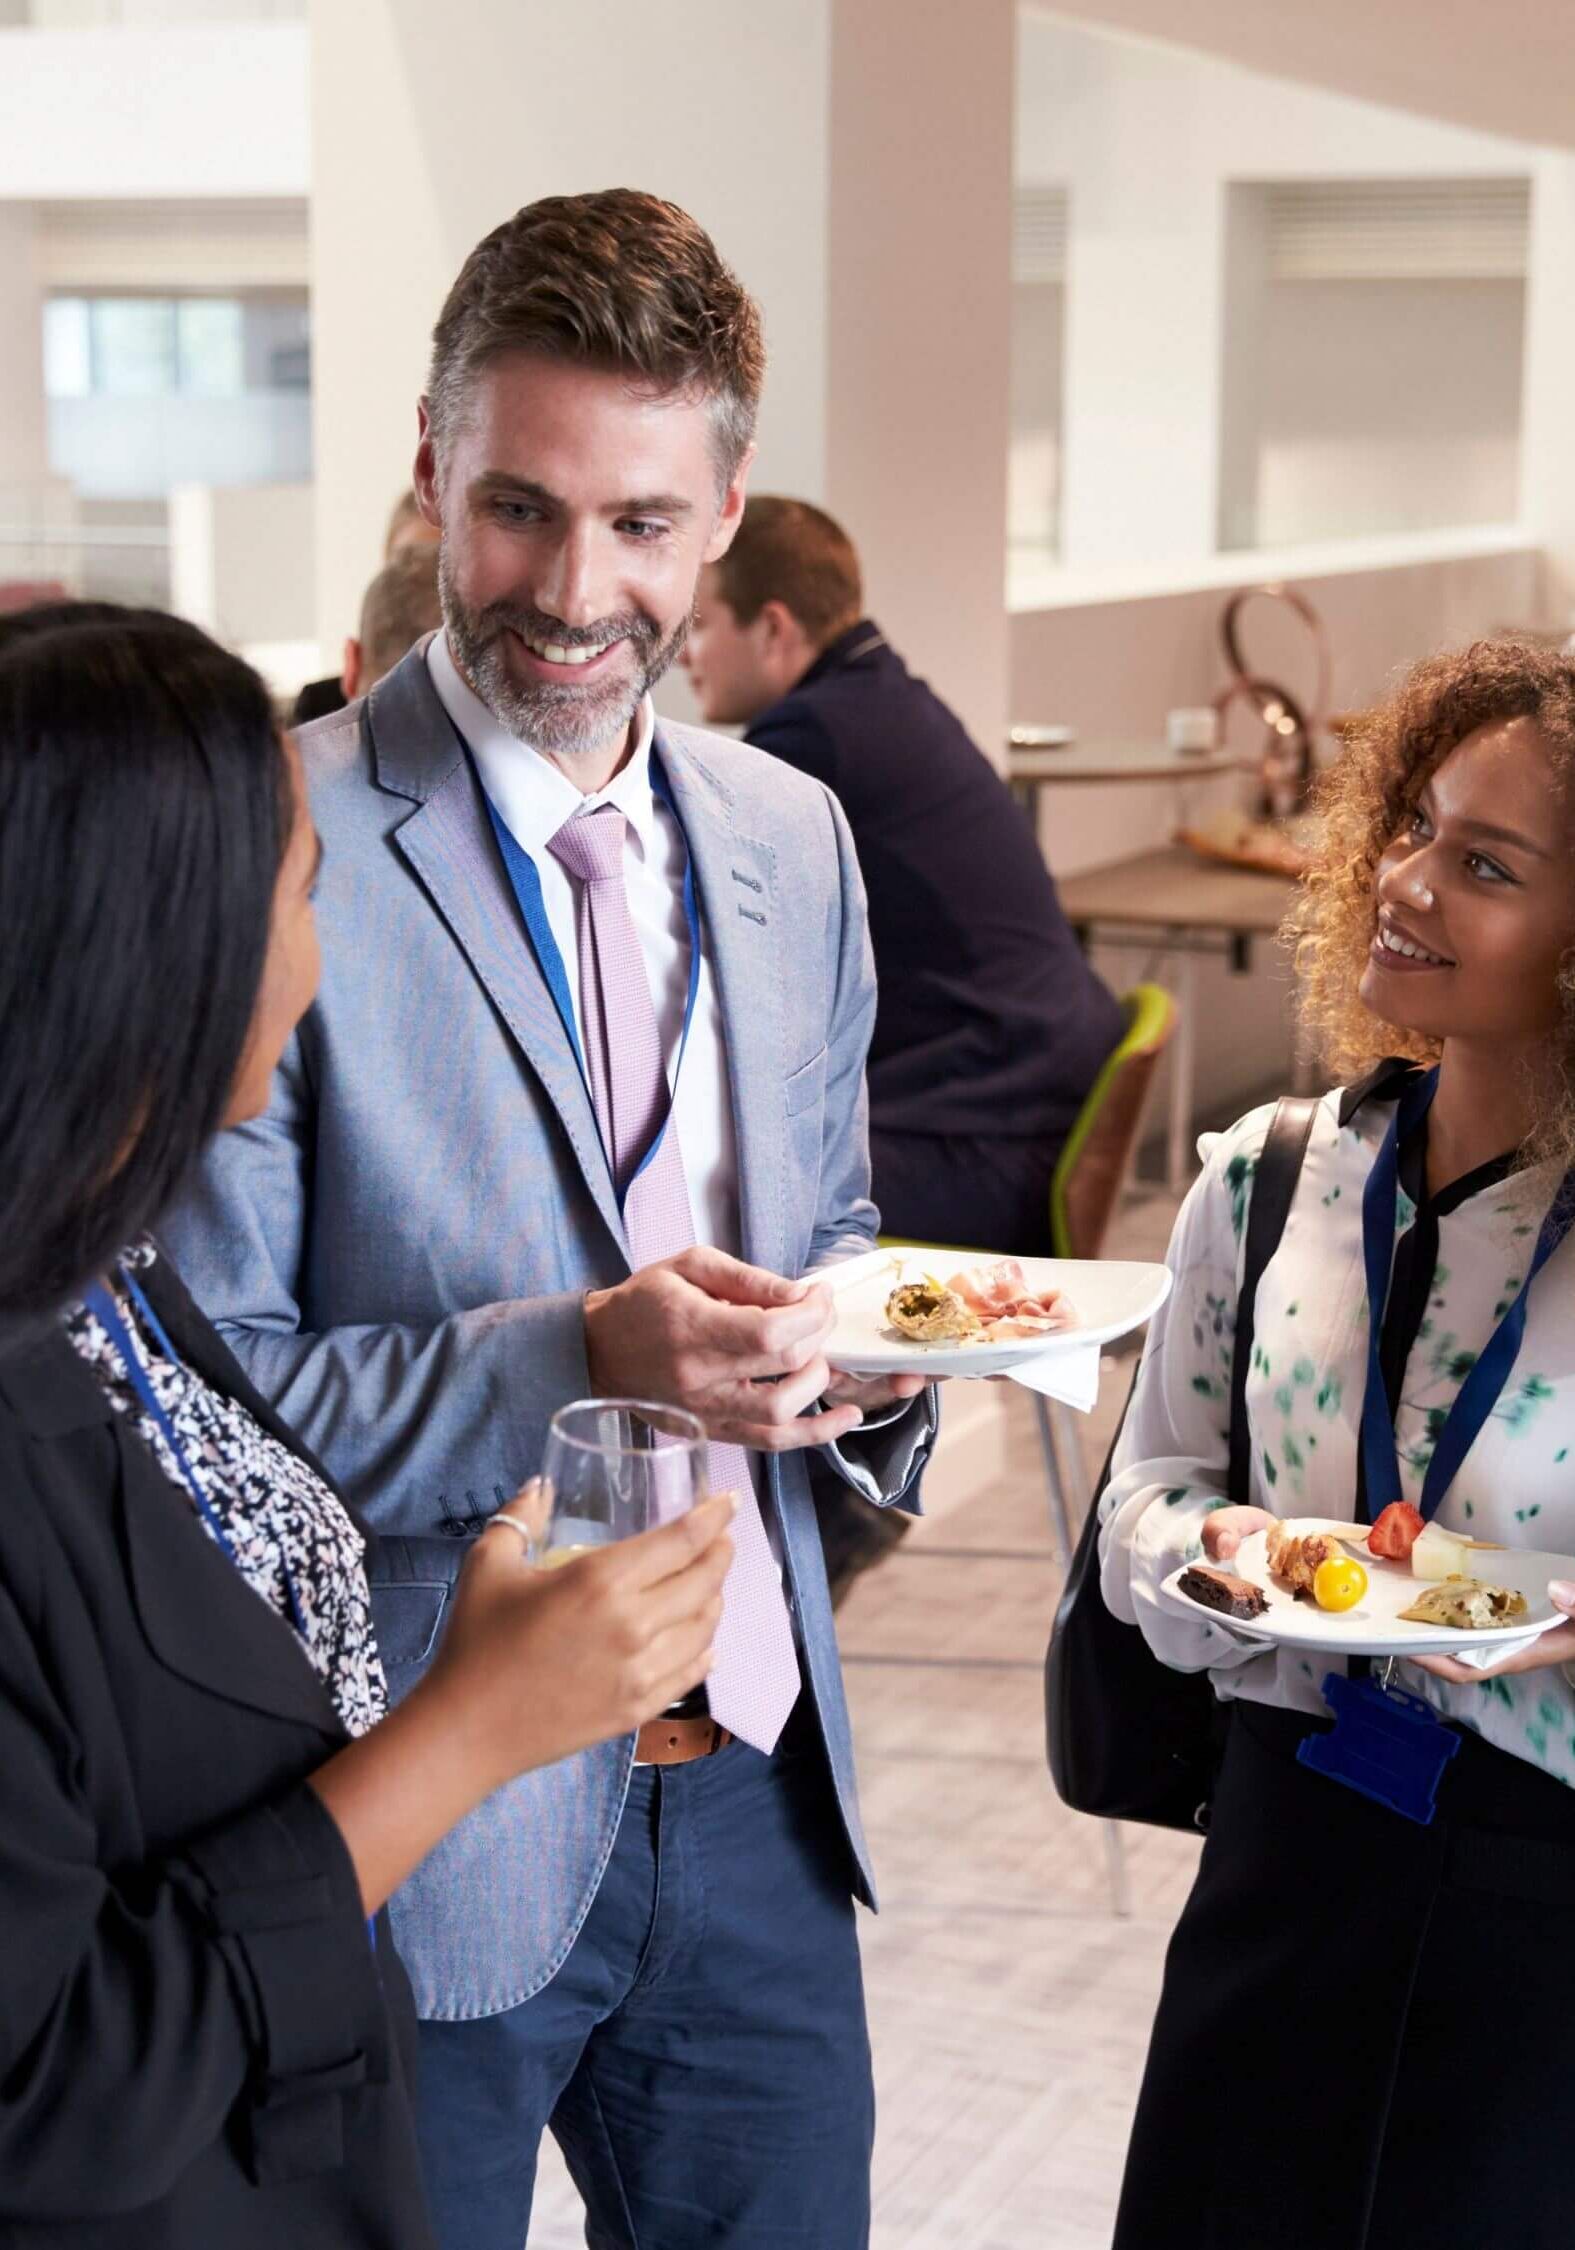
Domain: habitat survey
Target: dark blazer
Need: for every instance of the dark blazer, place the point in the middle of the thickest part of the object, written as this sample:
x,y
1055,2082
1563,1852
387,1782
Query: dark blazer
x,y
199,2049
989,1019
317,699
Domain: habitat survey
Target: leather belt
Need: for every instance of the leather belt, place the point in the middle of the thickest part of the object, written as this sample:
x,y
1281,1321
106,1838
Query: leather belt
x,y
677,1742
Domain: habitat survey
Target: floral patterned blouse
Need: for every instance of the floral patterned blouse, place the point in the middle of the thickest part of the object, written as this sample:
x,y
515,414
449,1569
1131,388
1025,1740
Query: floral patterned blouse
x,y
1304,1402
285,1528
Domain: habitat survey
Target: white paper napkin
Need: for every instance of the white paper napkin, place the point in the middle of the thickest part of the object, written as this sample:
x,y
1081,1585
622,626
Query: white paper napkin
x,y
1506,1646
1071,1376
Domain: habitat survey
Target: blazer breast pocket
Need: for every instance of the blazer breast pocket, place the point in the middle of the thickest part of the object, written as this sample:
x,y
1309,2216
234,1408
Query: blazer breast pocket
x,y
806,1088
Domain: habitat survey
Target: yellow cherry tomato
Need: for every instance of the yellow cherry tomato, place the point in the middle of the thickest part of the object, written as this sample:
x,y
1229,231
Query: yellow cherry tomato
x,y
1339,1583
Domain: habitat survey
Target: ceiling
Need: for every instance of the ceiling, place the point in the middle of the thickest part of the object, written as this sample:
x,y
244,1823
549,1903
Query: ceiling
x,y
1503,66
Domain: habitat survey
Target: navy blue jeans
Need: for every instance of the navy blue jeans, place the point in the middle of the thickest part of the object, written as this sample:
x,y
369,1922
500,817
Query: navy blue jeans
x,y
702,2055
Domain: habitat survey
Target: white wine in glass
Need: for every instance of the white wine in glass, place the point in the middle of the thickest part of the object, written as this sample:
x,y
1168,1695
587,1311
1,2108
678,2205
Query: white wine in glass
x,y
614,1467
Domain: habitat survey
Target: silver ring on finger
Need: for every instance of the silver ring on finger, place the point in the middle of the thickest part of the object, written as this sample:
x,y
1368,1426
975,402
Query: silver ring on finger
x,y
512,1523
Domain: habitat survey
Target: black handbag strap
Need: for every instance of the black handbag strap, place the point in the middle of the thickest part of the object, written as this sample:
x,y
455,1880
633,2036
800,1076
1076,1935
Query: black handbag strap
x,y
1273,1188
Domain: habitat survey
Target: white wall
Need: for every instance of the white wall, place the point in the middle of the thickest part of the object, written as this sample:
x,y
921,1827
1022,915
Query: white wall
x,y
1114,668
919,330
164,111
1147,140
492,105
881,265
1548,438
23,433
241,561
1387,406
1033,496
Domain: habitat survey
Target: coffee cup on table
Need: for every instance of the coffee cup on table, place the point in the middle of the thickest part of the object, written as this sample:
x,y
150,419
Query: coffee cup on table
x,y
1191,732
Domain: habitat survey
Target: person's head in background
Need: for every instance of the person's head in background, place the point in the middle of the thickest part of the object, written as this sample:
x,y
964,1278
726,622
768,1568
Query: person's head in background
x,y
585,435
786,589
408,527
400,605
156,867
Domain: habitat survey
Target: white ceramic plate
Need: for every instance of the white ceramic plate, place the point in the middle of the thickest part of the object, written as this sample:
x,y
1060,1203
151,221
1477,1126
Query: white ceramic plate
x,y
1375,1627
1109,1297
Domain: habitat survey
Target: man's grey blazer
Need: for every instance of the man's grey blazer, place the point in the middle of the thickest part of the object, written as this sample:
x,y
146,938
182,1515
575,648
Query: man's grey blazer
x,y
397,1251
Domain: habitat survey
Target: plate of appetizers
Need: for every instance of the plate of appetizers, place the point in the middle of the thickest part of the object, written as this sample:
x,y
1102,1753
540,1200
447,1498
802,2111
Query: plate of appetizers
x,y
961,1312
1393,1588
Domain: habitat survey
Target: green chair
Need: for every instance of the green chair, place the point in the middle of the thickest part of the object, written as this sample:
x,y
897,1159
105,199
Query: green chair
x,y
1084,1190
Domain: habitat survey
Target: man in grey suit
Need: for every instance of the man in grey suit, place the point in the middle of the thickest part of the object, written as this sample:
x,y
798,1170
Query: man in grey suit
x,y
591,1035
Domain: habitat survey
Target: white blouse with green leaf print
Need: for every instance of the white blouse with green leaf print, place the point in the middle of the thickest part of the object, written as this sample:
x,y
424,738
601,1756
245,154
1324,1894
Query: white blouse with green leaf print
x,y
1304,1402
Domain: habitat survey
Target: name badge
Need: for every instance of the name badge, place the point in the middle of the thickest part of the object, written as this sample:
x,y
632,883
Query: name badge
x,y
1385,1744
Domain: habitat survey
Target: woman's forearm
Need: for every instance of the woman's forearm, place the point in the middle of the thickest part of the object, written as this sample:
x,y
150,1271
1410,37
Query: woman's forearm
x,y
397,1790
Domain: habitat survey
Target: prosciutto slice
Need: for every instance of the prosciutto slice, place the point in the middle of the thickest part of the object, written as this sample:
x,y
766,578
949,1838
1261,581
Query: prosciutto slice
x,y
1006,1305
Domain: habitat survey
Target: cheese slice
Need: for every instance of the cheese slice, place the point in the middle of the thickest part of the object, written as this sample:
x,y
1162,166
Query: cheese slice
x,y
1440,1554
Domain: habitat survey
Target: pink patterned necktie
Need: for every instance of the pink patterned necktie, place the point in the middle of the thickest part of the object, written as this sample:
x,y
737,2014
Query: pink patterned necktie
x,y
754,1682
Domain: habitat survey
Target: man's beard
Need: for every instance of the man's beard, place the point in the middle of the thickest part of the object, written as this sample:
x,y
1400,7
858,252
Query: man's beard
x,y
552,715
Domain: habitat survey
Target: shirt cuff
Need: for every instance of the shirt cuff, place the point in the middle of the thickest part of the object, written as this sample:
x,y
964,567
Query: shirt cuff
x,y
883,1458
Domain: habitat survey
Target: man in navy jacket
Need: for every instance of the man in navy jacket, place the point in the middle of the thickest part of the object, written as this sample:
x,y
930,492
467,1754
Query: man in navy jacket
x,y
990,1025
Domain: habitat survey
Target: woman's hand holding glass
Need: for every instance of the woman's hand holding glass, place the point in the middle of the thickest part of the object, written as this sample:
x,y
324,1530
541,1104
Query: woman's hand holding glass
x,y
534,1665
539,1663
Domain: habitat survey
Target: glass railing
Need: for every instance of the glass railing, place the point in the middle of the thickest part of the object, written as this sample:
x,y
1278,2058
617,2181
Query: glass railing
x,y
107,562
140,448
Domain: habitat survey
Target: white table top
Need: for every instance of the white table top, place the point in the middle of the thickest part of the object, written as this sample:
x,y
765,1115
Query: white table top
x,y
1120,761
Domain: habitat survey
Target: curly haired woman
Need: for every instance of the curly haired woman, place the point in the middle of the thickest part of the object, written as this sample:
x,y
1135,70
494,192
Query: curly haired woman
x,y
1367,2028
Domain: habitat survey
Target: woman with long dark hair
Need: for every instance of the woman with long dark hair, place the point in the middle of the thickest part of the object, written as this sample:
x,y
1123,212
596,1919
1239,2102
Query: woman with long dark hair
x,y
1368,2015
204,2031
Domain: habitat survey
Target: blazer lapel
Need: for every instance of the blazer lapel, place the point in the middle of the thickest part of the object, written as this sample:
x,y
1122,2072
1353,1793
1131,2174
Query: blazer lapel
x,y
449,843
201,1619
736,883
207,1354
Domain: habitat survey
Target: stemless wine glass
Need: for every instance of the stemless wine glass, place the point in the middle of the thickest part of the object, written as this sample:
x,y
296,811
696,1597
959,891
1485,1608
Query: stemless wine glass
x,y
614,1467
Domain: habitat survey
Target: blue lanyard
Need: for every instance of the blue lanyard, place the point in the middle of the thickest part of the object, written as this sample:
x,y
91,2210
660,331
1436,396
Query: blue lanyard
x,y
526,884
102,1304
1482,1388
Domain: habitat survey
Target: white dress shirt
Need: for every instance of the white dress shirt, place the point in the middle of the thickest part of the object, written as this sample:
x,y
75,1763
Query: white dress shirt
x,y
535,799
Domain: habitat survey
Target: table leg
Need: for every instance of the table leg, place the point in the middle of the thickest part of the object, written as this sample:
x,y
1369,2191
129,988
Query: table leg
x,y
1180,1153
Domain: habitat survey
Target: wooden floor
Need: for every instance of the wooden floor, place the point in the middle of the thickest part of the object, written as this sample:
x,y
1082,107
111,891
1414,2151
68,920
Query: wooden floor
x,y
1009,2008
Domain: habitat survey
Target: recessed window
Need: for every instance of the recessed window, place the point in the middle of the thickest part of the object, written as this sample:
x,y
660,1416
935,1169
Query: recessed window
x,y
1373,342
150,391
1038,325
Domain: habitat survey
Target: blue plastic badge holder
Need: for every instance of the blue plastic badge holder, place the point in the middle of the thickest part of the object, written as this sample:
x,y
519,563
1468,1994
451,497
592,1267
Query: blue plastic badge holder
x,y
1385,1744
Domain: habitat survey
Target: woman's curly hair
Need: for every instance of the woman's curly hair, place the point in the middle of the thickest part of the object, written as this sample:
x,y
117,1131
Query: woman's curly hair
x,y
1364,800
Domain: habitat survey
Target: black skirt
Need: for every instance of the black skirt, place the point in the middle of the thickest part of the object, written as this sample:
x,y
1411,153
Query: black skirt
x,y
1366,2036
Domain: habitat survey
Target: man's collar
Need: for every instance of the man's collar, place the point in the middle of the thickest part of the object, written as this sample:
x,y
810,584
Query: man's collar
x,y
862,639
533,795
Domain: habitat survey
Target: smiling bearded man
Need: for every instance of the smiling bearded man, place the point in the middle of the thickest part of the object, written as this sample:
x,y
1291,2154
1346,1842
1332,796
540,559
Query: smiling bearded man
x,y
596,1000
